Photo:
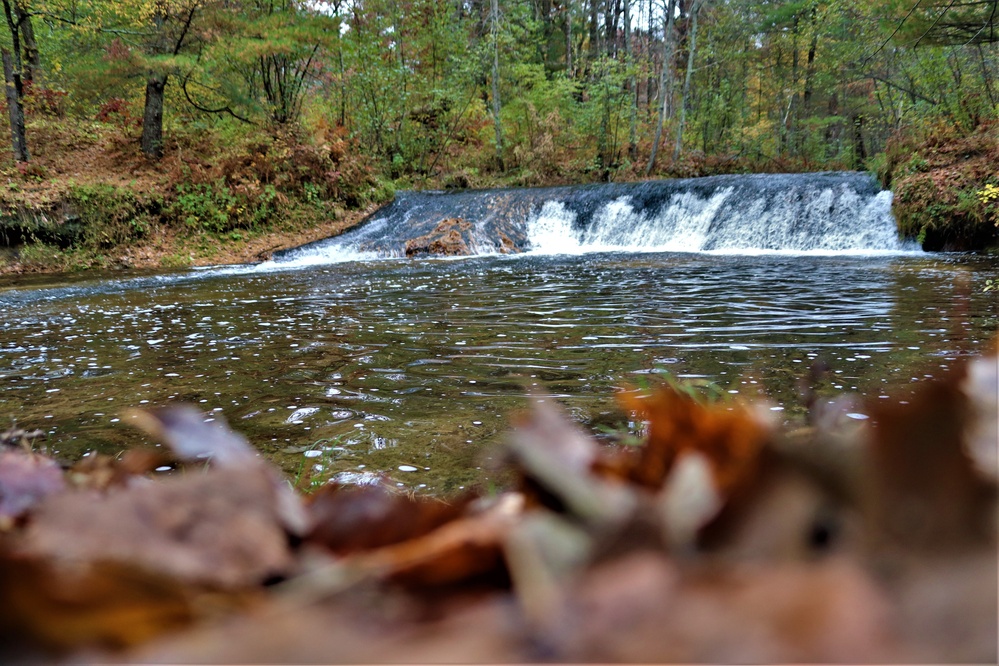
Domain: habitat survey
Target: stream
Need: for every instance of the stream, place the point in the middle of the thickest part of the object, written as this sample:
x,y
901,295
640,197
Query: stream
x,y
412,369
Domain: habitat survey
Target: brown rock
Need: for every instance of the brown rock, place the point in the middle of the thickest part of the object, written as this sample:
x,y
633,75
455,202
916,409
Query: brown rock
x,y
449,239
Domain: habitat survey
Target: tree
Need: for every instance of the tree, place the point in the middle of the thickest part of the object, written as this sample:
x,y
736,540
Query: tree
x,y
171,24
684,98
666,85
494,23
13,82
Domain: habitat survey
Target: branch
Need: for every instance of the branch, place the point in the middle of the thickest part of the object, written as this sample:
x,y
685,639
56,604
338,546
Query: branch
x,y
187,26
909,91
893,33
224,109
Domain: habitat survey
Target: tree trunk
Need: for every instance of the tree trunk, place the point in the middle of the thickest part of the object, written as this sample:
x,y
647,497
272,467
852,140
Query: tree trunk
x,y
651,81
33,66
568,39
152,116
15,107
594,31
859,152
496,98
630,84
666,87
691,48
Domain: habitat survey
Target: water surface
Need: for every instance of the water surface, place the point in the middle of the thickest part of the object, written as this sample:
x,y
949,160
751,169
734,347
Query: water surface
x,y
413,368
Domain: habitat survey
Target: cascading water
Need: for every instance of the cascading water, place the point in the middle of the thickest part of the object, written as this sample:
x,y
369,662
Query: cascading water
x,y
835,212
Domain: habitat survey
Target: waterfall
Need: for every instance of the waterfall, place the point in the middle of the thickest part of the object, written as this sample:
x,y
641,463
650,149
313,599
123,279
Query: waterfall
x,y
833,212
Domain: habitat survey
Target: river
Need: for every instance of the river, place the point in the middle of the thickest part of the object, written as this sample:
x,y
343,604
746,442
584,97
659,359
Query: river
x,y
412,369
344,361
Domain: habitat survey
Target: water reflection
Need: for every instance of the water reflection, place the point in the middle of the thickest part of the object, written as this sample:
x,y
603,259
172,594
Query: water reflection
x,y
412,368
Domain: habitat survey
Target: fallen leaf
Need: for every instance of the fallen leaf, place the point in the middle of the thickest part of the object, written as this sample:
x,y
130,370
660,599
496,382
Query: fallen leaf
x,y
644,608
25,479
922,489
51,610
217,527
193,437
730,436
456,552
350,518
556,460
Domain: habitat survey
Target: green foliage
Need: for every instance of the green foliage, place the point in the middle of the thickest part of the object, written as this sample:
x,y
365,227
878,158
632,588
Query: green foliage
x,y
110,216
216,208
292,105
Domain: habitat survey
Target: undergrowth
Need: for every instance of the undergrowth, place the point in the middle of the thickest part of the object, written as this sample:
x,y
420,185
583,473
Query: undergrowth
x,y
939,175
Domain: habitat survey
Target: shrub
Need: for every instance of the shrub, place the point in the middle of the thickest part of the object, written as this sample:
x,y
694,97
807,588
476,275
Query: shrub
x,y
110,216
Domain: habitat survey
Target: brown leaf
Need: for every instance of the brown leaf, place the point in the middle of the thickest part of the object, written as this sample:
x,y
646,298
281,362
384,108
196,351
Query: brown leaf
x,y
922,489
50,609
643,608
556,462
729,436
192,437
25,479
346,519
218,527
457,552
788,512
184,429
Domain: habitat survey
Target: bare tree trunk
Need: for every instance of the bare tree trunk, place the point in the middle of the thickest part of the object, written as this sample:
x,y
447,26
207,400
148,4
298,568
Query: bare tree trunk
x,y
594,30
496,98
568,38
152,116
15,107
632,90
13,84
650,82
666,87
33,66
684,98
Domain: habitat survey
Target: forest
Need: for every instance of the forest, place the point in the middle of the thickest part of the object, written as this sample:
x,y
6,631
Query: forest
x,y
137,123
742,453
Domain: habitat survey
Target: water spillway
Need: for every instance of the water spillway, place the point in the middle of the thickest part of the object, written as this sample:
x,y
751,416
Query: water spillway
x,y
819,212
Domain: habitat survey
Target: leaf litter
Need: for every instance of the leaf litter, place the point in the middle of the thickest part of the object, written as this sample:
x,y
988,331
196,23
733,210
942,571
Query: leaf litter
x,y
722,538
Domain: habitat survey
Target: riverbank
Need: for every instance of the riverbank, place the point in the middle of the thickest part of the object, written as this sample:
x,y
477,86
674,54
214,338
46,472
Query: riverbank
x,y
945,184
88,199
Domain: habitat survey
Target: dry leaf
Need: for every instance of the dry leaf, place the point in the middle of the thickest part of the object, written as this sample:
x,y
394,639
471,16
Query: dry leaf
x,y
556,462
25,478
49,609
456,552
193,437
218,527
923,491
350,518
729,436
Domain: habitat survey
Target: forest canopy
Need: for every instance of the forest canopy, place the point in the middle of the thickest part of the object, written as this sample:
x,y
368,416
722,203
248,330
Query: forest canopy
x,y
442,86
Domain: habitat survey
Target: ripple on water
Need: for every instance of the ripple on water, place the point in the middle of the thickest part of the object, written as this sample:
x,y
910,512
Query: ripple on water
x,y
387,364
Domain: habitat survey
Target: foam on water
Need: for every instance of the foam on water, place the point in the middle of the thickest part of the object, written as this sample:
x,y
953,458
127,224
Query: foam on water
x,y
815,214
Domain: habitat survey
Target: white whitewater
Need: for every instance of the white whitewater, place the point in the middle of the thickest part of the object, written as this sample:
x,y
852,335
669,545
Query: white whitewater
x,y
821,213
825,222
